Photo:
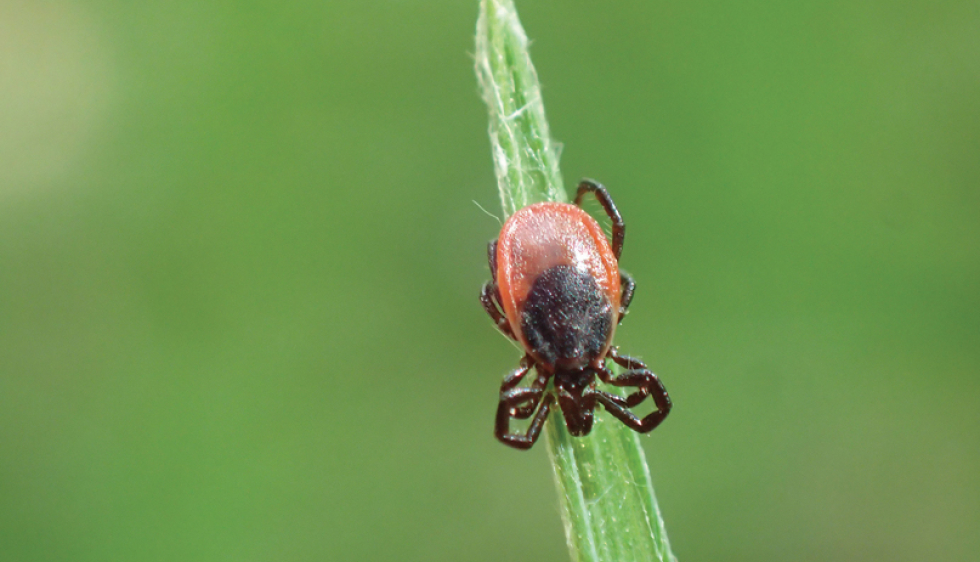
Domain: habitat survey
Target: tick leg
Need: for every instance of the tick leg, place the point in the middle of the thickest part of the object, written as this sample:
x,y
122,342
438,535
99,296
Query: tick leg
x,y
621,413
490,305
625,361
628,285
508,402
632,399
491,294
492,259
515,378
647,384
618,227
524,412
517,375
630,363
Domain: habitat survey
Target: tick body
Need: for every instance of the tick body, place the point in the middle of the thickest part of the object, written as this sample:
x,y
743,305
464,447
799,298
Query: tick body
x,y
558,291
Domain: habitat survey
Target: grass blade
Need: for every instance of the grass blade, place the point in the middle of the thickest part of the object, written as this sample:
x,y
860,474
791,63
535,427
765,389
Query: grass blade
x,y
524,156
606,493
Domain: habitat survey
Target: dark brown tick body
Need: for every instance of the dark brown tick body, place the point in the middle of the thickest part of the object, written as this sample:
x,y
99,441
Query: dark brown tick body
x,y
558,291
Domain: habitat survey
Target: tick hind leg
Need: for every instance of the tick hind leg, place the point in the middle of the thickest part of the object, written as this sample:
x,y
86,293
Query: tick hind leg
x,y
628,286
646,383
618,227
490,297
522,403
491,306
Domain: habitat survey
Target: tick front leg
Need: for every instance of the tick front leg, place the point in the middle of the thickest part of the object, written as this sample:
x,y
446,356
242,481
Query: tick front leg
x,y
508,407
631,364
647,384
520,403
515,378
625,361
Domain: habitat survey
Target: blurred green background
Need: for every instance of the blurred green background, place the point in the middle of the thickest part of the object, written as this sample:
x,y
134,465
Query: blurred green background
x,y
240,260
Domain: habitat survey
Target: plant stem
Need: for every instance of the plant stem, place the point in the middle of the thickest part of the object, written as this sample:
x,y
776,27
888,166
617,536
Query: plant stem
x,y
606,493
524,156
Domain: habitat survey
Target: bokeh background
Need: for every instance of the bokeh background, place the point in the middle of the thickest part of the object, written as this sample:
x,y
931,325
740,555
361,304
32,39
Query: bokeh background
x,y
240,259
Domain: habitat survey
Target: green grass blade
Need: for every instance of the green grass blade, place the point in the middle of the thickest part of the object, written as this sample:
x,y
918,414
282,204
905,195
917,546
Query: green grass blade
x,y
606,493
523,154
607,500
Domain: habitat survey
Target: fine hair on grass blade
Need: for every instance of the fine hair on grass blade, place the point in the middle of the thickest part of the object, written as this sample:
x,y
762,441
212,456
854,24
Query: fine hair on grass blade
x,y
605,490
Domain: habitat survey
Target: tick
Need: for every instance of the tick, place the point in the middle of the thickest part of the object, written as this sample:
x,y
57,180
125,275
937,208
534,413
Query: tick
x,y
558,291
